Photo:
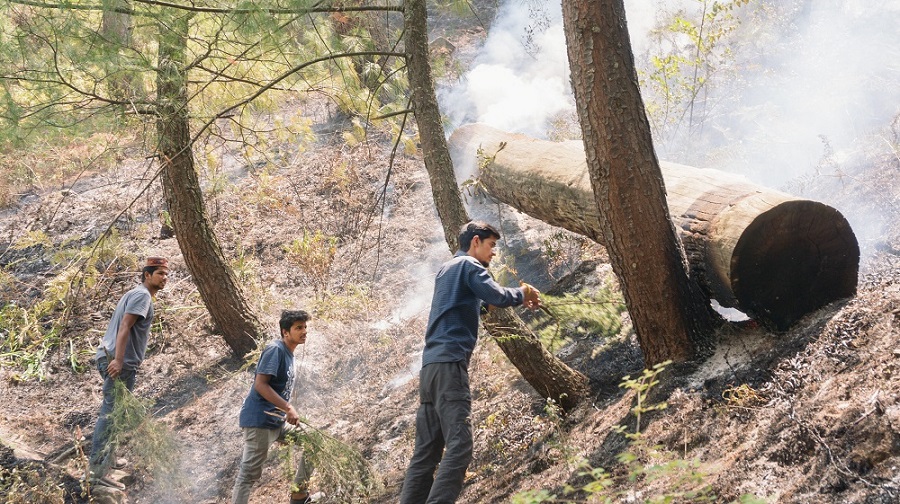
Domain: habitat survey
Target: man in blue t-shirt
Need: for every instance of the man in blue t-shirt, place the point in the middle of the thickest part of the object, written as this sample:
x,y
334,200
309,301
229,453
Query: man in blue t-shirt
x,y
267,408
461,287
118,357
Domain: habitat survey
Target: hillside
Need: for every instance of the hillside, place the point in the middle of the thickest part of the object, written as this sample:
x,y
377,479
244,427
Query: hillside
x,y
807,415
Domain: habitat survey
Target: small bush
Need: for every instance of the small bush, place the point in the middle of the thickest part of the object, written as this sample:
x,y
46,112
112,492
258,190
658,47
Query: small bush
x,y
314,255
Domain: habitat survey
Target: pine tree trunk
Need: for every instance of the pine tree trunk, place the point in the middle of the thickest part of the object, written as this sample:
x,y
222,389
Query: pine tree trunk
x,y
670,315
213,276
116,28
431,130
549,376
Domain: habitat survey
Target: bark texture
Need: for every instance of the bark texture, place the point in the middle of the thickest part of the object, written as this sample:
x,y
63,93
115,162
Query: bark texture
x,y
549,376
670,315
767,253
215,280
428,119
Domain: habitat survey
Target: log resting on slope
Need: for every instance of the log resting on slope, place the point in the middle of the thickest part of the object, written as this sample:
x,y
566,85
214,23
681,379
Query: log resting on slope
x,y
769,254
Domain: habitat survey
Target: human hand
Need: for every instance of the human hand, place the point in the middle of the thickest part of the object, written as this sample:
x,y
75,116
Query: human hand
x,y
532,296
114,368
291,416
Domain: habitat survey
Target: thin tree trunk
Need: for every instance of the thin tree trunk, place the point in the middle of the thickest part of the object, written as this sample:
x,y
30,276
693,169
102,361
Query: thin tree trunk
x,y
549,376
670,315
431,130
213,276
116,28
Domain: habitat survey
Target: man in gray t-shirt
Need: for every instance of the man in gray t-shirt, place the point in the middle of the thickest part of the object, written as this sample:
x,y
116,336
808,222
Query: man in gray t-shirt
x,y
120,354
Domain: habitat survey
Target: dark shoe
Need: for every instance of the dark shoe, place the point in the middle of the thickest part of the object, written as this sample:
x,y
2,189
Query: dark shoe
x,y
308,498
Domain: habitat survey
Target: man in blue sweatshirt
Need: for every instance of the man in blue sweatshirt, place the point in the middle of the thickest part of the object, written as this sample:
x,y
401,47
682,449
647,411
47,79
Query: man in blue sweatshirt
x,y
443,425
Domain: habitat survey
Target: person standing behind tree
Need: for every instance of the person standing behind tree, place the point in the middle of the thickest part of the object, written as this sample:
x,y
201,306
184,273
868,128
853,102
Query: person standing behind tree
x,y
118,357
443,420
267,408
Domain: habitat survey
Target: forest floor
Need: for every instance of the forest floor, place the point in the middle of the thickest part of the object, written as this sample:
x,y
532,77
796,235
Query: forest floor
x,y
807,415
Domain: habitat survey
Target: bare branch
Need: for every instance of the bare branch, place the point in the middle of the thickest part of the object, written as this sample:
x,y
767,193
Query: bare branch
x,y
283,76
317,8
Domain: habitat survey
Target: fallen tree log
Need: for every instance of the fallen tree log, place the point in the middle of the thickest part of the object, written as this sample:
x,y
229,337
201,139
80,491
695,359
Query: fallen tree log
x,y
771,255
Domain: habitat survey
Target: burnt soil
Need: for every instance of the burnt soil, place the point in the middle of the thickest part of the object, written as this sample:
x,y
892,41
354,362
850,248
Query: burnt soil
x,y
811,414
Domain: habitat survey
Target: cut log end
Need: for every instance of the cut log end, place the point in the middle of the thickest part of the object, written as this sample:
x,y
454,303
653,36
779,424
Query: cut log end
x,y
793,259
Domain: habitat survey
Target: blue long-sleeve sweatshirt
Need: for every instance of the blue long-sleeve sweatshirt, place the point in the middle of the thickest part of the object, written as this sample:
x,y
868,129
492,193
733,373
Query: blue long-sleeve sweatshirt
x,y
461,285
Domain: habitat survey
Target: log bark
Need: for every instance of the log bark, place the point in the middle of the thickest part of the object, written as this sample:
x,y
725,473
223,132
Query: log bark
x,y
771,255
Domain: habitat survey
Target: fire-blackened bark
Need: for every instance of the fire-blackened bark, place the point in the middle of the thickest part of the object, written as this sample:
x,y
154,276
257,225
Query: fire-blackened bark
x,y
549,376
670,315
213,276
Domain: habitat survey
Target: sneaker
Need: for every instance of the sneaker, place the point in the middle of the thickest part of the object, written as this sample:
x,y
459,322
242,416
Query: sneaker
x,y
120,463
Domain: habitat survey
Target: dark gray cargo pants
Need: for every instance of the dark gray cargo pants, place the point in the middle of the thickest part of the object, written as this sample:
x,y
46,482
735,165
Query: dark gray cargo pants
x,y
442,421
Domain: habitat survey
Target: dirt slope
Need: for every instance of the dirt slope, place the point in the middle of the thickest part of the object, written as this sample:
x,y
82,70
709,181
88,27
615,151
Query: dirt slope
x,y
810,415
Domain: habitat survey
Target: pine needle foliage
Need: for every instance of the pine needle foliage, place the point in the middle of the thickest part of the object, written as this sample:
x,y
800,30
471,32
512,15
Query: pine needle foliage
x,y
580,315
34,329
148,439
339,467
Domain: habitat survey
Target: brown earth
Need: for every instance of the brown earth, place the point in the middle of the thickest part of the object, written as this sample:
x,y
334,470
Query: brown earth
x,y
808,415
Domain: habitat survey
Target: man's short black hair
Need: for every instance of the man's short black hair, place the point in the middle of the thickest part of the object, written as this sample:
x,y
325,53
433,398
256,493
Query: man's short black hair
x,y
148,271
481,229
288,317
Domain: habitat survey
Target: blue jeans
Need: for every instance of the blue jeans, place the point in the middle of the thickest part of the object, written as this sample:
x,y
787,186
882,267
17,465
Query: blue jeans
x,y
102,452
443,420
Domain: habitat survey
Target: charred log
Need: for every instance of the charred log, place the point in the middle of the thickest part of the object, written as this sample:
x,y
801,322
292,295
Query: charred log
x,y
769,254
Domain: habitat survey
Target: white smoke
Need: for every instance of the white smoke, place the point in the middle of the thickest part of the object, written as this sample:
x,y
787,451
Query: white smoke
x,y
832,78
830,74
516,84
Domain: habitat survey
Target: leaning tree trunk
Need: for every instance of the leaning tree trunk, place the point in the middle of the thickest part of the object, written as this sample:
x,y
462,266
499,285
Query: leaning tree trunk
x,y
771,255
431,130
213,276
671,317
549,376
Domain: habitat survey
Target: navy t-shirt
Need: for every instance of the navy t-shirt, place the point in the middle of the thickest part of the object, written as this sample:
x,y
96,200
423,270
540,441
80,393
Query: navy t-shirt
x,y
277,362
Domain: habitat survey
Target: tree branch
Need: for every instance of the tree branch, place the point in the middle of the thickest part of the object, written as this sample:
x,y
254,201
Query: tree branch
x,y
283,76
317,8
